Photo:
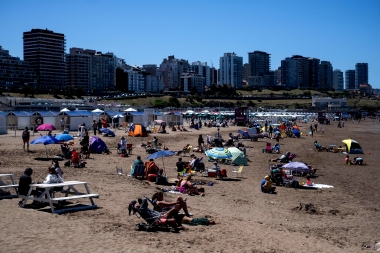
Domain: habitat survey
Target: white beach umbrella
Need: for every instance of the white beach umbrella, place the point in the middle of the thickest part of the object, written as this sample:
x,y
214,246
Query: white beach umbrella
x,y
97,110
130,110
64,110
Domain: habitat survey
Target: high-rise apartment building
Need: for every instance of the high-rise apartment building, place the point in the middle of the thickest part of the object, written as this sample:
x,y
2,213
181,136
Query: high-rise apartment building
x,y
350,79
259,63
231,70
307,72
172,69
246,71
325,75
191,81
14,73
90,70
201,68
153,78
361,74
289,73
338,84
44,50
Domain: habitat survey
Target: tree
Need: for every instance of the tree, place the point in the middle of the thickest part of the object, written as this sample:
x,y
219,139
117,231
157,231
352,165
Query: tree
x,y
173,101
80,92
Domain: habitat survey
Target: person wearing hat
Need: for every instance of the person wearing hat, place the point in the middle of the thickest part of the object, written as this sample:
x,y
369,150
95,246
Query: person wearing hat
x,y
123,145
25,138
266,185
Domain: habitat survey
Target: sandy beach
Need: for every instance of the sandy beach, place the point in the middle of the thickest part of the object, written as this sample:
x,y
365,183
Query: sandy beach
x,y
342,219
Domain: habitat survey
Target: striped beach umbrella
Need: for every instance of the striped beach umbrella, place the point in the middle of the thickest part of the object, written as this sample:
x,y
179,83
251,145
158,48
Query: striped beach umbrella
x,y
238,156
219,153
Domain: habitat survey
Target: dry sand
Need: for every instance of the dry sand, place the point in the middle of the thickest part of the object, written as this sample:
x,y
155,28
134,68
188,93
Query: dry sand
x,y
342,219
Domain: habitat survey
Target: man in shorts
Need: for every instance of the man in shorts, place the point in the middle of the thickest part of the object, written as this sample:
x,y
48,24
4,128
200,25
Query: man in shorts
x,y
25,138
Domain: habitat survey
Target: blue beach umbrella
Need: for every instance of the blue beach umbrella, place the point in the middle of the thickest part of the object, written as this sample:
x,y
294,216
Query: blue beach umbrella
x,y
107,131
46,140
162,154
64,137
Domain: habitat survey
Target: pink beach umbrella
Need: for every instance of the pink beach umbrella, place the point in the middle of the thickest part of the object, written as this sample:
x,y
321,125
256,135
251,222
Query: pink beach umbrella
x,y
45,127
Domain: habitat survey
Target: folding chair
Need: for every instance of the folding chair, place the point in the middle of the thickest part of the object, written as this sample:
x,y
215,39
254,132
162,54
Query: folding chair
x,y
238,171
129,149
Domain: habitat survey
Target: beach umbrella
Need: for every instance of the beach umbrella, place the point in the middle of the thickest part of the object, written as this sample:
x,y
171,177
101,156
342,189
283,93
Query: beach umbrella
x,y
64,110
130,110
118,116
238,156
64,137
97,110
219,153
107,131
297,167
162,154
45,127
353,146
45,140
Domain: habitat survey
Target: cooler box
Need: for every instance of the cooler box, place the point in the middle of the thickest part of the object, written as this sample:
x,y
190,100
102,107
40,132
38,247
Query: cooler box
x,y
211,173
223,173
152,177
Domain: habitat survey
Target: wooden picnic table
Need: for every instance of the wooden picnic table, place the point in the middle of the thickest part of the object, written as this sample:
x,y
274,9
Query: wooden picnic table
x,y
48,195
12,185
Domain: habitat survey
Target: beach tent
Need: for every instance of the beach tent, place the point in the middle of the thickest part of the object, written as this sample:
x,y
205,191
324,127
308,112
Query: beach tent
x,y
353,146
3,122
137,130
97,145
238,156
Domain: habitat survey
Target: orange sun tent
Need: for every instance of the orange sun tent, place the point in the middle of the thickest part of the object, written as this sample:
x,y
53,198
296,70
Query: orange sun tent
x,y
137,130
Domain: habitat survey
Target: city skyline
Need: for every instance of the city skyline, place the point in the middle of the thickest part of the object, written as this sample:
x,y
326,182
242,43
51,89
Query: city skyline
x,y
343,33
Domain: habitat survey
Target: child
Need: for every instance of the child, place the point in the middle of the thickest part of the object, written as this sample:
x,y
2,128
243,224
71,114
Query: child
x,y
347,160
308,180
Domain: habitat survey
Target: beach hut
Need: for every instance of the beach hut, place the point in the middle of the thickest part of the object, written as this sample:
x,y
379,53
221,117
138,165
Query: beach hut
x,y
137,118
77,118
48,117
19,119
3,122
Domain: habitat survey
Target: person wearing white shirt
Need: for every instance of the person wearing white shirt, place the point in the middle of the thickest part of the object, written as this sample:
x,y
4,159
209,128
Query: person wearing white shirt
x,y
52,177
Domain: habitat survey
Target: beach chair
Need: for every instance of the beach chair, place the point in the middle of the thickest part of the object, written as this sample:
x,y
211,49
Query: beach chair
x,y
152,224
189,148
268,148
238,171
129,149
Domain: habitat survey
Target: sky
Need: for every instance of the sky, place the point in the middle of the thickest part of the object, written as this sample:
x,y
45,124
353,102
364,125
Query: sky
x,y
343,32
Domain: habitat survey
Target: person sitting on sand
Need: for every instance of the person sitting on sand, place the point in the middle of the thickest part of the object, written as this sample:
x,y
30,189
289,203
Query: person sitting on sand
x,y
179,128
174,129
138,168
308,180
152,168
186,187
266,185
319,147
184,129
162,206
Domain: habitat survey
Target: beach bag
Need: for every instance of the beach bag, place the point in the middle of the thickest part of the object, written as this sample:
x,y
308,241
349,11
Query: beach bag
x,y
161,181
67,164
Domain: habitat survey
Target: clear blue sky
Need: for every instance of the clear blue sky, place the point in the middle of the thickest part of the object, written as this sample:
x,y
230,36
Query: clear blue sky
x,y
343,32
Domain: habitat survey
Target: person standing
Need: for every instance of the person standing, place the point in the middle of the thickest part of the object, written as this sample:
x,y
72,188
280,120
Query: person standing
x,y
62,124
25,138
99,125
94,126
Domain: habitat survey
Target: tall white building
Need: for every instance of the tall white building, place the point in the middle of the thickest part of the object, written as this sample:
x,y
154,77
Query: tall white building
x,y
136,80
191,80
338,83
172,69
231,70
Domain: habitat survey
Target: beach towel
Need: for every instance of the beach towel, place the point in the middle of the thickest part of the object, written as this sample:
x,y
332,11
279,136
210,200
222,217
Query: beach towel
x,y
318,186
